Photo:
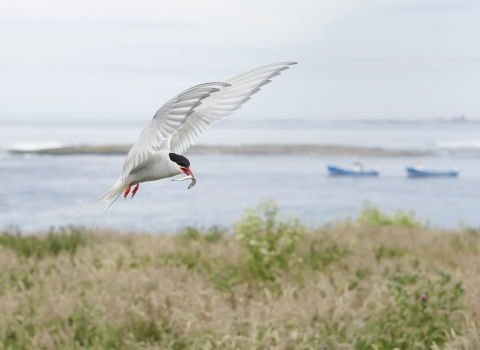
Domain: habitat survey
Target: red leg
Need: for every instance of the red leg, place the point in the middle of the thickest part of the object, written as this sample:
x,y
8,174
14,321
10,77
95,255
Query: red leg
x,y
135,190
127,191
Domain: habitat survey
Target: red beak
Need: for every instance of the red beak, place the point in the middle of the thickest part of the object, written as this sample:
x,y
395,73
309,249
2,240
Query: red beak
x,y
187,171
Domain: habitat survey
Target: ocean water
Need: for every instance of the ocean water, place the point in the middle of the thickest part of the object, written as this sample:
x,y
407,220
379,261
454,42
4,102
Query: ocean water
x,y
43,191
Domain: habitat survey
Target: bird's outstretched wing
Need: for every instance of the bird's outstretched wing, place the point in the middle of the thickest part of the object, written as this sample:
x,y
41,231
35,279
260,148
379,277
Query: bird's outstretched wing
x,y
166,121
223,103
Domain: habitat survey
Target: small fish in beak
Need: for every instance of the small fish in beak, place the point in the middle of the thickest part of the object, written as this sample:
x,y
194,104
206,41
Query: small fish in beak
x,y
189,176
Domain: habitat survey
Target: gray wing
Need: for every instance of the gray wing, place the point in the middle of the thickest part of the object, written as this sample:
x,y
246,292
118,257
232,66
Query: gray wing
x,y
222,103
166,121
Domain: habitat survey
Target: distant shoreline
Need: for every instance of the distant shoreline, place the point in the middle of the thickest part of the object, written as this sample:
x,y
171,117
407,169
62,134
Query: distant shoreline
x,y
327,150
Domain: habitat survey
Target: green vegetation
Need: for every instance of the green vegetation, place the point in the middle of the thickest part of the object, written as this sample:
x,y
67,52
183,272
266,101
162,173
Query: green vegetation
x,y
212,235
379,282
372,216
270,243
418,312
68,239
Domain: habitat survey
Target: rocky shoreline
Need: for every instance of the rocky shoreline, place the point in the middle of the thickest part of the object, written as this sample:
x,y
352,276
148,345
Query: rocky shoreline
x,y
328,150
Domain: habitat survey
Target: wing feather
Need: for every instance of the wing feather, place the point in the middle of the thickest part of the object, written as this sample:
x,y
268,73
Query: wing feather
x,y
222,103
166,121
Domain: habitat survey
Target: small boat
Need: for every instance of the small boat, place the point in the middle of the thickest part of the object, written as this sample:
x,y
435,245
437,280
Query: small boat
x,y
419,172
334,171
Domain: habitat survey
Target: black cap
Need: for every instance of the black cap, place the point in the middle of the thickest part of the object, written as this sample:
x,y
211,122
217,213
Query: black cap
x,y
180,160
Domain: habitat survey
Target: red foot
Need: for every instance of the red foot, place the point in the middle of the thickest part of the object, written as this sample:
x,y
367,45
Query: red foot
x,y
127,191
135,190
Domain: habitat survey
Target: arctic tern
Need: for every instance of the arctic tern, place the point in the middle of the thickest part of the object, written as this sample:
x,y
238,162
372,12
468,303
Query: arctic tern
x,y
157,154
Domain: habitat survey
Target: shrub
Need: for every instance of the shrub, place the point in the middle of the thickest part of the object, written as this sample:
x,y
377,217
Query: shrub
x,y
271,243
372,216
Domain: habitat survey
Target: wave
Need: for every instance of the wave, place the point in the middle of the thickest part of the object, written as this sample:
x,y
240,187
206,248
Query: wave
x,y
35,146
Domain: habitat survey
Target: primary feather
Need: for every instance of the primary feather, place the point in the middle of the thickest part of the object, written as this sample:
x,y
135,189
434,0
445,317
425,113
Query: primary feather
x,y
222,103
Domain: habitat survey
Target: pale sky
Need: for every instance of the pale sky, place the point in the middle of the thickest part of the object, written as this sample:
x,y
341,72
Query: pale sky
x,y
106,61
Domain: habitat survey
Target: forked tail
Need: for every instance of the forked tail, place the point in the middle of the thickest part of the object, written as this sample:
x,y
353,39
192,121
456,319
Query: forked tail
x,y
109,197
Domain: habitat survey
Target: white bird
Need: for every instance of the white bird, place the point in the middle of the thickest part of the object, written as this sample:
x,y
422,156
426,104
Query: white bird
x,y
157,154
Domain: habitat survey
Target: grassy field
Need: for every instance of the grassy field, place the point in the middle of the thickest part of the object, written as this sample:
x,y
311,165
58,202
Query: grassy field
x,y
376,282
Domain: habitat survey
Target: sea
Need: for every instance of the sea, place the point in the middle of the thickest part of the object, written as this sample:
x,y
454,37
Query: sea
x,y
43,191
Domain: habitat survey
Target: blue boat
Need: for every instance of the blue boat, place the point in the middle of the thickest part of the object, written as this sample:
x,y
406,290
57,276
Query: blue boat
x,y
415,172
336,171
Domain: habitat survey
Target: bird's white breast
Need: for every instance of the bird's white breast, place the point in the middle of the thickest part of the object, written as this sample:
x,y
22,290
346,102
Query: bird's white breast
x,y
158,167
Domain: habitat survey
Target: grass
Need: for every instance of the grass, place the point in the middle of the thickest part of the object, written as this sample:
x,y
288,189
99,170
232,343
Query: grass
x,y
378,282
66,239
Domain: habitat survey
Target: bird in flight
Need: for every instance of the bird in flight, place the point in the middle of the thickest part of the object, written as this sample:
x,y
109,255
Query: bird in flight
x,y
157,154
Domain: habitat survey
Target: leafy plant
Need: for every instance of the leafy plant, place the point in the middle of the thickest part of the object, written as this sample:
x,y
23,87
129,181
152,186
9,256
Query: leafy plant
x,y
372,216
271,243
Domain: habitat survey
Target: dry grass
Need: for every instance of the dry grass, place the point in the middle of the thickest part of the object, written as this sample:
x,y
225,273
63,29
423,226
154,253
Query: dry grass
x,y
271,285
